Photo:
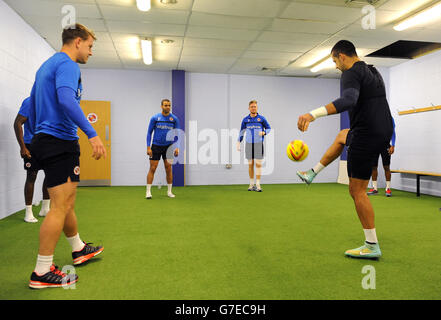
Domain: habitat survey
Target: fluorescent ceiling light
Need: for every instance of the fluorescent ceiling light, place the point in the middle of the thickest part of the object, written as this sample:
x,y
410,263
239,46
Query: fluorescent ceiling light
x,y
323,64
133,44
423,16
146,47
143,5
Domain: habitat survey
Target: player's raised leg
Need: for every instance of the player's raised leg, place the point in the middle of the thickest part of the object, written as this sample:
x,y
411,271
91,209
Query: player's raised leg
x,y
333,152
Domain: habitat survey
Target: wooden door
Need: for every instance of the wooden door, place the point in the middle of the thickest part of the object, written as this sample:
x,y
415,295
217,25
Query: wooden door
x,y
96,172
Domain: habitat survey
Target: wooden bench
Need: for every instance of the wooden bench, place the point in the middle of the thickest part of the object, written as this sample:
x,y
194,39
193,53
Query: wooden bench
x,y
418,174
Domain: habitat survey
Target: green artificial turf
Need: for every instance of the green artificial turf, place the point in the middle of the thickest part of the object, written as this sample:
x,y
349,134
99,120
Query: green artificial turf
x,y
223,242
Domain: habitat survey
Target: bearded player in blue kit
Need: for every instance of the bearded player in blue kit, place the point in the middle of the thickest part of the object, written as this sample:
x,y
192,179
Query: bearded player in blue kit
x,y
163,126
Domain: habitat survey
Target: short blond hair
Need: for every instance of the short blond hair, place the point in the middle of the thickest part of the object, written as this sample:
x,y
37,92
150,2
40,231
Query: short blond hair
x,y
251,102
80,31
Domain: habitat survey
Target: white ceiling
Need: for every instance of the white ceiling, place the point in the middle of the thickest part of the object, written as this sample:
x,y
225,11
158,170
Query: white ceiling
x,y
228,36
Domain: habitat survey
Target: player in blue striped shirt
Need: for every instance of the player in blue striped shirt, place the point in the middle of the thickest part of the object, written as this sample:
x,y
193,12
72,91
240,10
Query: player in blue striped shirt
x,y
254,127
164,126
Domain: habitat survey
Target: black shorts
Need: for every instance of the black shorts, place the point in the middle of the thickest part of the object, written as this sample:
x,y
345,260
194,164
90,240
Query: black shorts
x,y
161,151
362,155
254,151
60,159
385,158
30,164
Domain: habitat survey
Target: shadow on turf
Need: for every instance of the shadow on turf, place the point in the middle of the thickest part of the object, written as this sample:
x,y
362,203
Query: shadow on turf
x,y
361,259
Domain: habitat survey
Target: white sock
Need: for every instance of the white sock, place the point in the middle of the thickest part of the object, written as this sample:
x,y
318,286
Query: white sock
x,y
251,182
258,183
29,215
169,186
76,243
371,235
43,264
387,184
374,184
29,211
46,205
149,186
318,167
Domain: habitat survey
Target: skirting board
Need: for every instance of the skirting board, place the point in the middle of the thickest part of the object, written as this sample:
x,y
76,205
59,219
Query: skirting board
x,y
94,183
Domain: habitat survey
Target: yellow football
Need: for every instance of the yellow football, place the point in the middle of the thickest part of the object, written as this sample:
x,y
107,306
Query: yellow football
x,y
297,150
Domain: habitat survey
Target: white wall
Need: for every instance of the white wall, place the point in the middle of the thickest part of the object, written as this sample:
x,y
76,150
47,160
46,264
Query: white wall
x,y
22,51
221,102
215,101
417,84
135,97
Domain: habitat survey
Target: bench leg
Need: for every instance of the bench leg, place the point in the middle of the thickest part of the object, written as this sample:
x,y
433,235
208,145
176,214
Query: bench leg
x,y
418,185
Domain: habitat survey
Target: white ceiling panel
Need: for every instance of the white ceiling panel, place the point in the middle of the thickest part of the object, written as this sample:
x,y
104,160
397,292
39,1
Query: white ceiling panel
x,y
164,53
157,66
384,62
77,1
122,3
359,42
179,5
297,72
160,16
343,3
211,52
304,26
53,24
279,47
260,63
206,64
215,43
404,6
230,22
285,56
429,35
293,38
145,28
106,54
103,46
244,8
315,12
221,33
228,36
53,8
